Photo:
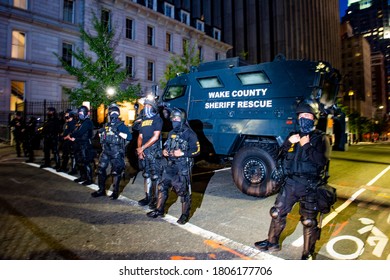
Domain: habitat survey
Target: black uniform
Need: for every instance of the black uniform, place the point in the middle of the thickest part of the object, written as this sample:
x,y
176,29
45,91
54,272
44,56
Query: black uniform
x,y
68,147
84,152
17,125
177,173
151,165
113,138
29,138
304,168
50,132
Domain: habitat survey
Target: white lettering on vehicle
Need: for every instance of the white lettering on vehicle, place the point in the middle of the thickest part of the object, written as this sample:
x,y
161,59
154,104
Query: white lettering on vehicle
x,y
257,103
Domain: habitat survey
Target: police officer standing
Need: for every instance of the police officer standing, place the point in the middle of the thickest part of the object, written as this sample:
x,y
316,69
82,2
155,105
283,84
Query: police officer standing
x,y
30,134
50,132
17,126
113,138
305,156
180,148
84,151
67,145
149,151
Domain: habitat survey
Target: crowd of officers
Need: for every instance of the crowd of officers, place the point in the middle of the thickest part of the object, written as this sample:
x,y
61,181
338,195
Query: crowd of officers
x,y
163,165
168,165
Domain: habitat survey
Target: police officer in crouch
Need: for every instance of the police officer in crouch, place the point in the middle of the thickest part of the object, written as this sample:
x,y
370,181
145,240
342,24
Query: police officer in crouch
x,y
180,148
113,137
305,155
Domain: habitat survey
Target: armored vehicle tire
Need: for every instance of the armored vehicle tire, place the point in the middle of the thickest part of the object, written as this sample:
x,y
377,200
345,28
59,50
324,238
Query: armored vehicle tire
x,y
251,171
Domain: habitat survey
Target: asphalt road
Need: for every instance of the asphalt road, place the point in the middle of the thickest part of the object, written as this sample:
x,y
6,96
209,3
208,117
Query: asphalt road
x,y
44,215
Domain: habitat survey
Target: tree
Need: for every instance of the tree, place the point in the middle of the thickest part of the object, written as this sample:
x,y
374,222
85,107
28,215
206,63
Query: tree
x,y
181,63
99,73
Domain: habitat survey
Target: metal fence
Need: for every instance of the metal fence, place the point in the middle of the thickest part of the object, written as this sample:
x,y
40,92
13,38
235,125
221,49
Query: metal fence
x,y
35,109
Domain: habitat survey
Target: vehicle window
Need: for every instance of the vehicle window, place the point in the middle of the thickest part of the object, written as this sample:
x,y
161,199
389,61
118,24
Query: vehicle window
x,y
210,82
172,92
253,78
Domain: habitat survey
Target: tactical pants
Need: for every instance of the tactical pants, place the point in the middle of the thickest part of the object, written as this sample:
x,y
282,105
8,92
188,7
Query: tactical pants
x,y
50,144
291,193
117,166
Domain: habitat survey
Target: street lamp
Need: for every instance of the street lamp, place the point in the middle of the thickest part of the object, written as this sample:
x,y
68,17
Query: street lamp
x,y
110,91
350,93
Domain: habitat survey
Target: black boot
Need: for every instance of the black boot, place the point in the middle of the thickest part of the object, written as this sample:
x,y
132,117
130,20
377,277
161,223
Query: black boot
x,y
115,192
153,196
310,235
185,210
73,163
83,176
147,188
102,186
57,161
88,171
159,211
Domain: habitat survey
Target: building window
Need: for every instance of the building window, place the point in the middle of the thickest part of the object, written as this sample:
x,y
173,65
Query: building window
x,y
106,19
185,17
217,56
200,51
150,71
22,4
130,29
200,25
150,35
151,4
67,50
169,10
18,92
68,11
168,42
217,34
130,66
18,49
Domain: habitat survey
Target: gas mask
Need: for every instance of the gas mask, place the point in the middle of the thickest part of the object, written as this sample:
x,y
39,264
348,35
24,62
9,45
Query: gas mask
x,y
176,126
306,125
149,111
114,117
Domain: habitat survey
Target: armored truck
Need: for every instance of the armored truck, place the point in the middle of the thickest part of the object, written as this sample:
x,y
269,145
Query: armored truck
x,y
243,113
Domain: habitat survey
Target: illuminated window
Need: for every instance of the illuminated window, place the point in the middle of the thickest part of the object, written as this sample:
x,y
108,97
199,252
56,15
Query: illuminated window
x,y
18,45
22,4
253,78
210,82
18,89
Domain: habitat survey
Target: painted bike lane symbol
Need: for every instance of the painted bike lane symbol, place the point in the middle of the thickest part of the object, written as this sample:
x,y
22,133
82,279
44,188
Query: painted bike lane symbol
x,y
376,239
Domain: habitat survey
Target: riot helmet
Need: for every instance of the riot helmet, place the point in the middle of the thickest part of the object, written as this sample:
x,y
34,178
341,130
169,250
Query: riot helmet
x,y
69,114
51,112
83,112
113,113
153,109
178,118
309,106
306,125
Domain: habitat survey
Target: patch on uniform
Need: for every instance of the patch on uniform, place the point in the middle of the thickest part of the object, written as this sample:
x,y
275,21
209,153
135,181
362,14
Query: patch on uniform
x,y
291,148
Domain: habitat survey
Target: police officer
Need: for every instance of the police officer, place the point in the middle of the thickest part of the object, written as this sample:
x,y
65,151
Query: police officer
x,y
17,126
50,132
180,148
29,136
67,145
113,138
305,155
149,150
84,152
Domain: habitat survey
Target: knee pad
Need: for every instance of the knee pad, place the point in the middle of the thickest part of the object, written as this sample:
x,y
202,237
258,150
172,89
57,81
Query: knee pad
x,y
274,212
308,222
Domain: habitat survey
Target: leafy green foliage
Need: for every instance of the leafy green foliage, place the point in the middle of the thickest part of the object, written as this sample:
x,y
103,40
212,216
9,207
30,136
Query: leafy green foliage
x,y
181,63
97,74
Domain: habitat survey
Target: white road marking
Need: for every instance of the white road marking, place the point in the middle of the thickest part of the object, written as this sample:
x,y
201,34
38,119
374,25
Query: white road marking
x,y
241,248
332,215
